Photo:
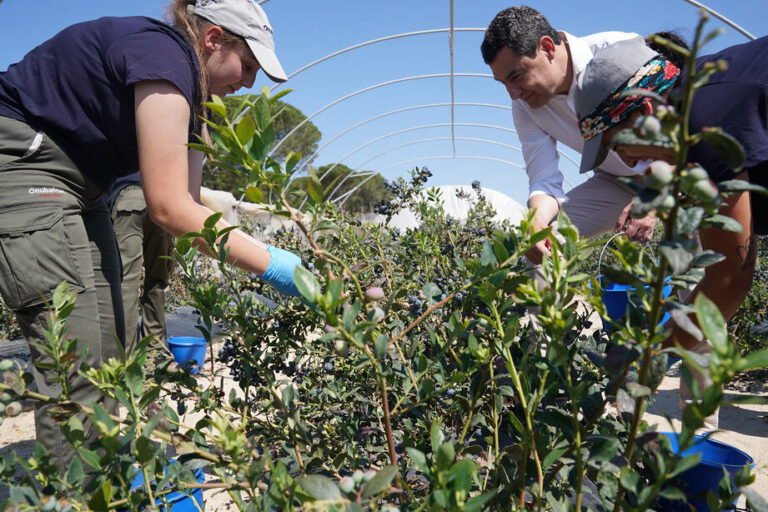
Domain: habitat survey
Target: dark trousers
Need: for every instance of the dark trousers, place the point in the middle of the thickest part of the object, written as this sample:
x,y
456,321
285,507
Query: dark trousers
x,y
54,227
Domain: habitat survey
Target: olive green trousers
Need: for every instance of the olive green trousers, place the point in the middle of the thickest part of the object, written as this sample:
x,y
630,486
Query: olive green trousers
x,y
54,227
145,249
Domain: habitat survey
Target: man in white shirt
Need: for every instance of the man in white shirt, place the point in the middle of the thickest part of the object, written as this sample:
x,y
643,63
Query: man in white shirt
x,y
538,65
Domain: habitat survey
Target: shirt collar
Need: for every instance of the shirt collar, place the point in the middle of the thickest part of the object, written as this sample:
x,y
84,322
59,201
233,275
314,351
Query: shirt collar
x,y
581,54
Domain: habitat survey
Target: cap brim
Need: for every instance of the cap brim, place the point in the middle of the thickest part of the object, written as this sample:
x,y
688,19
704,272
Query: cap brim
x,y
593,154
268,61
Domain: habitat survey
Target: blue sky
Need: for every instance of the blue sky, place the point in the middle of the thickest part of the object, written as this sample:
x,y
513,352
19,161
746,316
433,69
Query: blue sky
x,y
307,30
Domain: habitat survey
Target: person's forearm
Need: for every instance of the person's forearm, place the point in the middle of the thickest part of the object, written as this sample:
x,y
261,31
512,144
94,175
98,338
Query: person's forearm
x,y
727,282
546,208
244,251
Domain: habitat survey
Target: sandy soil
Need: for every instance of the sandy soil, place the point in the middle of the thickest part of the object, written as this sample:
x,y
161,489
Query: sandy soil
x,y
743,426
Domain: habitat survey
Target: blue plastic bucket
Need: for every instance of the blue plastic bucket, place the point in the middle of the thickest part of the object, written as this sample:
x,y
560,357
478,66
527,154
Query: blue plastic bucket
x,y
188,351
716,459
616,298
179,501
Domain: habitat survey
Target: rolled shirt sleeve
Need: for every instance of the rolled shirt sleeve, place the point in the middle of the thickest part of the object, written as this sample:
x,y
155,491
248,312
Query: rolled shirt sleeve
x,y
541,157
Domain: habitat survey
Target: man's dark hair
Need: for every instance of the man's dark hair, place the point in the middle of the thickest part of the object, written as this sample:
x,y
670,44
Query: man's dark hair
x,y
519,28
676,58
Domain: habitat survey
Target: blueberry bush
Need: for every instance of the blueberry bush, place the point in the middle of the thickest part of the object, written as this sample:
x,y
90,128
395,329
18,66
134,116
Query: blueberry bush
x,y
422,369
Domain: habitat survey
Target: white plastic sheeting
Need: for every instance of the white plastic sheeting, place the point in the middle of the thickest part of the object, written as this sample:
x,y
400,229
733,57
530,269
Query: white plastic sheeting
x,y
506,208
458,208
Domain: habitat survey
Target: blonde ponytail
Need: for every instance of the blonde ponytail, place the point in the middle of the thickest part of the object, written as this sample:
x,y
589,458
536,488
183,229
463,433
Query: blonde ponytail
x,y
181,15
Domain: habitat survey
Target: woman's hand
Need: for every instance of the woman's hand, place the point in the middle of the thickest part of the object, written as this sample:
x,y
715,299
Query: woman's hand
x,y
281,270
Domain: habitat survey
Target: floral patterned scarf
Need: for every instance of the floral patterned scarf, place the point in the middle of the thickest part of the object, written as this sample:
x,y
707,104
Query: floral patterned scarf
x,y
657,75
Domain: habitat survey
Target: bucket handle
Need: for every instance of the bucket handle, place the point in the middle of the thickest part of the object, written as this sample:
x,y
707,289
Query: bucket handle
x,y
600,259
605,246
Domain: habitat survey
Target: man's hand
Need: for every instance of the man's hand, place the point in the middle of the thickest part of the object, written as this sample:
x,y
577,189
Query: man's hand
x,y
546,210
639,230
538,251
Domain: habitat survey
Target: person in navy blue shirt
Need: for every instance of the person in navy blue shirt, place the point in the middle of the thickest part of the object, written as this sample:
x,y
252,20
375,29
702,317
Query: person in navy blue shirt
x,y
735,99
101,100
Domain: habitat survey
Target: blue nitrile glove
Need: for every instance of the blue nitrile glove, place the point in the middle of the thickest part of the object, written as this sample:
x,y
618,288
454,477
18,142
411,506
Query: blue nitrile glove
x,y
279,274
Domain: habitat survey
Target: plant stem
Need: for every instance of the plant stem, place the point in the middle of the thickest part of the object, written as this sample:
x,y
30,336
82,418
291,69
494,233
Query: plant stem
x,y
387,420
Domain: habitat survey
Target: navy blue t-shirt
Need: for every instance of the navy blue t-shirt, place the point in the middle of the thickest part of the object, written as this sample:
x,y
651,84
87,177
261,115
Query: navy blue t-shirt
x,y
737,101
77,87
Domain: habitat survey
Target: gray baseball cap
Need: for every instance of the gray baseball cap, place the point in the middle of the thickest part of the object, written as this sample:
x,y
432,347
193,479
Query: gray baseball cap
x,y
248,20
608,70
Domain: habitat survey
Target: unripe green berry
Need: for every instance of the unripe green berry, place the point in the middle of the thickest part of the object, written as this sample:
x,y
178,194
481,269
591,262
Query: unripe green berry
x,y
368,475
48,504
704,191
658,175
663,111
347,485
377,315
647,127
374,293
13,409
667,204
6,364
5,397
340,347
697,173
357,476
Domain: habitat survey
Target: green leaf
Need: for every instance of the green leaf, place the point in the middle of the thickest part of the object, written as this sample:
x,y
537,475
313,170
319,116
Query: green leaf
x,y
145,450
637,390
75,473
684,322
677,256
292,161
102,497
314,187
706,258
217,106
712,323
254,194
245,129
90,457
327,224
381,344
741,186
477,503
445,455
726,146
436,436
432,292
307,284
689,219
463,473
418,458
380,482
672,494
75,430
646,93
211,221
602,448
629,479
553,456
712,34
487,256
723,222
754,360
685,464
320,487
